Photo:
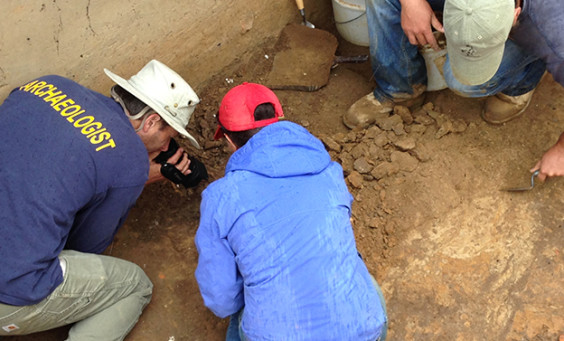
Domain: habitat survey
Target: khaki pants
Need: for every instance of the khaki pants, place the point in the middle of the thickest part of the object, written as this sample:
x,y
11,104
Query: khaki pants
x,y
103,296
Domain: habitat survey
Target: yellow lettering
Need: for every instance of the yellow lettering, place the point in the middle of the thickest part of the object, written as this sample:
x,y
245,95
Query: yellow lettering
x,y
71,117
54,100
67,107
66,110
27,86
90,128
111,143
64,103
49,88
36,86
79,123
100,137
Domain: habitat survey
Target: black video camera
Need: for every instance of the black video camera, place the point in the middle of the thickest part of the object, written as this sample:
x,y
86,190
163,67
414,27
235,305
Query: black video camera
x,y
169,171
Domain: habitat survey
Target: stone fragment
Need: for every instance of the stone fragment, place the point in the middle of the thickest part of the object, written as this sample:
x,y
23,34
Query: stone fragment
x,y
355,179
404,161
372,132
362,166
387,122
330,143
405,144
384,169
404,113
381,140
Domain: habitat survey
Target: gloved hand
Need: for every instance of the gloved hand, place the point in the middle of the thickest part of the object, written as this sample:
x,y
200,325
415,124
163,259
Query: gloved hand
x,y
198,171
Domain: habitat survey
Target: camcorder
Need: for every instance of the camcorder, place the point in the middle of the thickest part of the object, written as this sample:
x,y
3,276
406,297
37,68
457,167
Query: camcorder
x,y
169,171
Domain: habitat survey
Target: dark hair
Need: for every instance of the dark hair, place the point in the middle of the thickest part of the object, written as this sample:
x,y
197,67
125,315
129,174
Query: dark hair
x,y
239,138
133,104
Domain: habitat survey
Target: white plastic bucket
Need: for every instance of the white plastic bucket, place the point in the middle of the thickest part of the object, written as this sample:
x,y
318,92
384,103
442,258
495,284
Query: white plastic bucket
x,y
435,79
350,19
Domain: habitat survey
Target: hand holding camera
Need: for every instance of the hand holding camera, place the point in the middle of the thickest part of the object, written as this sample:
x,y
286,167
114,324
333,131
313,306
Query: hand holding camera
x,y
198,171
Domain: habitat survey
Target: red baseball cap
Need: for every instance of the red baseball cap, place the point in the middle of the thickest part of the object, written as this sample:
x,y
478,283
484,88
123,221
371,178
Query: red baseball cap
x,y
236,111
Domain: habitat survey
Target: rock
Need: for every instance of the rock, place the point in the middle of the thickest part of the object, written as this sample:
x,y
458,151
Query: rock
x,y
404,113
375,152
212,144
355,179
398,129
422,153
404,161
362,166
418,129
350,137
459,126
330,143
444,128
359,150
346,162
372,132
423,118
384,169
405,144
340,138
381,140
428,106
388,122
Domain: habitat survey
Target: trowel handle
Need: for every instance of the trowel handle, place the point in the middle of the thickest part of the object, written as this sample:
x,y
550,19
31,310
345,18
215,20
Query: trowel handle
x,y
300,4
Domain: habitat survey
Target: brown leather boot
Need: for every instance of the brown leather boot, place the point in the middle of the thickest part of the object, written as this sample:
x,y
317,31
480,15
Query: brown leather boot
x,y
501,108
366,110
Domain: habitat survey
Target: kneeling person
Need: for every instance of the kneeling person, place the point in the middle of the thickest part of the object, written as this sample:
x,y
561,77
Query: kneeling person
x,y
275,241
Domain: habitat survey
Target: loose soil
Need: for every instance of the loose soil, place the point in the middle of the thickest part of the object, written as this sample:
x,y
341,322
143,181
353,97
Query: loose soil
x,y
457,258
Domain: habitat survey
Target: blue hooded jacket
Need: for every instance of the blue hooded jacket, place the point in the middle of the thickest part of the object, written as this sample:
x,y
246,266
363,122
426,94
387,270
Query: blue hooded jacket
x,y
275,238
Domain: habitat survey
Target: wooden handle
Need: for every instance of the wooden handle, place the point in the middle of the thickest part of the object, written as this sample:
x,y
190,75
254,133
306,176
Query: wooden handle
x,y
300,4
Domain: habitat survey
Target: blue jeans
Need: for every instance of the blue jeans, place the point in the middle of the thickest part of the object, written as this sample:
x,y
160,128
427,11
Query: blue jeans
x,y
398,67
235,332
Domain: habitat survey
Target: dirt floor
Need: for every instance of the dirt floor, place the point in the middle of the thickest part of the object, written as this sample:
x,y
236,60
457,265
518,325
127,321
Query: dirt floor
x,y
457,258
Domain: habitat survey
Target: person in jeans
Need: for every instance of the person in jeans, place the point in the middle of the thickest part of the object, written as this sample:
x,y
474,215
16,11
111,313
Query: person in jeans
x,y
72,163
276,247
398,27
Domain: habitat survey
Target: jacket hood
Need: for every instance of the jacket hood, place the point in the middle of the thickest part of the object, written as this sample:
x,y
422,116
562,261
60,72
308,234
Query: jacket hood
x,y
280,150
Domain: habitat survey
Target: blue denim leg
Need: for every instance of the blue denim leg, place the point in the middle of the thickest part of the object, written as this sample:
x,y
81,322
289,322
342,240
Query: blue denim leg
x,y
397,65
519,73
234,330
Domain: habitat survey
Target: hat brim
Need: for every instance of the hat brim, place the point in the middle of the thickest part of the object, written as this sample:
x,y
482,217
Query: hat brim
x,y
474,71
218,133
159,109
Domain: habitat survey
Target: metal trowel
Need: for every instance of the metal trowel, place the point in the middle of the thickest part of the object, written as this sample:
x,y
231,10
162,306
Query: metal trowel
x,y
301,8
526,188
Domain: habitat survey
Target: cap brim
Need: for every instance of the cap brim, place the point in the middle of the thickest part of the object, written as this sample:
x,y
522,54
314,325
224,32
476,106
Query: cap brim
x,y
218,133
474,71
161,111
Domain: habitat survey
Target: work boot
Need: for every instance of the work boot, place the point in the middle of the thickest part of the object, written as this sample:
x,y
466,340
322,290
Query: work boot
x,y
366,110
501,108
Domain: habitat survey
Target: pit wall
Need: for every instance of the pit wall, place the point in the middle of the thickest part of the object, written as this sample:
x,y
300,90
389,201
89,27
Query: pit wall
x,y
78,38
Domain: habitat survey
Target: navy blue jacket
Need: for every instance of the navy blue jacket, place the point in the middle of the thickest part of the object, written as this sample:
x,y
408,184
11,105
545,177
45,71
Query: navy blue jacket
x,y
71,167
539,31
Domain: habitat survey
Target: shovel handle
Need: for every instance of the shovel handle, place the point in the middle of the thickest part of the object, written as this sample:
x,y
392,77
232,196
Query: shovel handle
x,y
300,4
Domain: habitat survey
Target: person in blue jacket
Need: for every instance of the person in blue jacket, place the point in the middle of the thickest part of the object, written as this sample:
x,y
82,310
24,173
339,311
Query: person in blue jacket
x,y
276,247
72,164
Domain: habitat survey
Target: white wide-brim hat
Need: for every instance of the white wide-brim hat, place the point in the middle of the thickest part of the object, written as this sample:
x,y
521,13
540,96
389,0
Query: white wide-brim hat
x,y
164,91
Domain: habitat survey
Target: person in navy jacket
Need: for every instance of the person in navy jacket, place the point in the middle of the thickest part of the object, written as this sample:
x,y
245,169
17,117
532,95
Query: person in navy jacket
x,y
72,164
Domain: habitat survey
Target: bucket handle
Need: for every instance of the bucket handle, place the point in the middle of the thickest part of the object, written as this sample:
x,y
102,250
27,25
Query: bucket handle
x,y
351,20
